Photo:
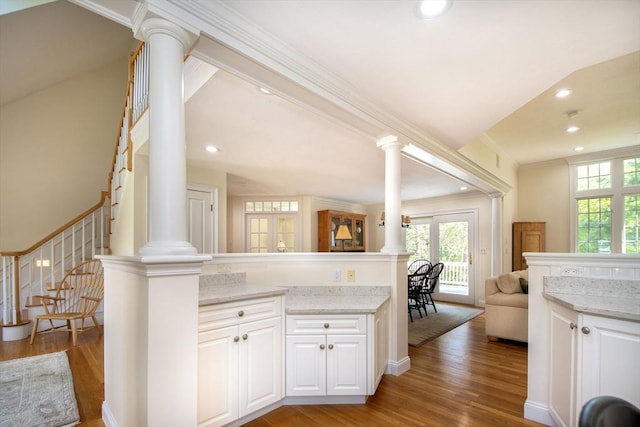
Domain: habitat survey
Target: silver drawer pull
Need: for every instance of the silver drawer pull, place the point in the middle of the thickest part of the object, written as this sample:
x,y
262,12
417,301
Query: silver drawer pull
x,y
586,330
236,338
241,313
326,326
245,336
573,325
330,346
321,346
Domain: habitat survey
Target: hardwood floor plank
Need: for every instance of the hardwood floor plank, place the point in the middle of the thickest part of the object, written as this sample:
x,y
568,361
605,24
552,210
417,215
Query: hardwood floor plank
x,y
459,379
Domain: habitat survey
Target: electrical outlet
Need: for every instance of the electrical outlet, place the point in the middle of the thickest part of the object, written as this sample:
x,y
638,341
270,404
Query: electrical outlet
x,y
351,275
337,276
571,271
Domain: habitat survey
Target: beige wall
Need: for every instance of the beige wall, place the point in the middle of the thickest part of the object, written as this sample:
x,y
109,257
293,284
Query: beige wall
x,y
544,191
56,148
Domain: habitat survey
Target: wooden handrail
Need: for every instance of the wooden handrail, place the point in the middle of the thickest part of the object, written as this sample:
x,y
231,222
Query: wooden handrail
x,y
103,196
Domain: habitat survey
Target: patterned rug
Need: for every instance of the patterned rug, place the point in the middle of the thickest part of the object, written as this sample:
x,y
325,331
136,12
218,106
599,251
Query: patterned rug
x,y
37,391
449,316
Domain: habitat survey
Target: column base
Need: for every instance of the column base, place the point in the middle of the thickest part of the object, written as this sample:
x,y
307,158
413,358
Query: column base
x,y
167,248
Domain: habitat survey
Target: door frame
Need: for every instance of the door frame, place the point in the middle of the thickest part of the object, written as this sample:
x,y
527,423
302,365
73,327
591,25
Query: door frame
x,y
213,218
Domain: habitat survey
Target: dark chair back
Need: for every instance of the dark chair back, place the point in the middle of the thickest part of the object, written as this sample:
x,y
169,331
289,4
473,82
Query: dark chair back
x,y
609,411
433,277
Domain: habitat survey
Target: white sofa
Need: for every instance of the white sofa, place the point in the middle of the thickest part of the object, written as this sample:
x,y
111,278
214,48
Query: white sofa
x,y
507,306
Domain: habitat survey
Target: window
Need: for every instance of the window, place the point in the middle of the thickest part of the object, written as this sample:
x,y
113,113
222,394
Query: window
x,y
606,203
271,226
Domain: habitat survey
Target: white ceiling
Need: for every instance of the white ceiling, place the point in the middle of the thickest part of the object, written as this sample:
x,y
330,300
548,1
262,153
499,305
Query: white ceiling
x,y
486,69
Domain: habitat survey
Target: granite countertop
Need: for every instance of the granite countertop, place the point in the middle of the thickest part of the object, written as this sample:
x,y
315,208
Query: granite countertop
x,y
612,298
336,299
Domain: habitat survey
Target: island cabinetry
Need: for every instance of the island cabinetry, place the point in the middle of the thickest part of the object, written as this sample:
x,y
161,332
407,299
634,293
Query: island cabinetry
x,y
326,355
328,223
240,359
591,355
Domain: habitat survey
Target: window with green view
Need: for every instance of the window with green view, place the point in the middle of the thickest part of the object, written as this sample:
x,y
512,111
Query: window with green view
x,y
594,225
631,244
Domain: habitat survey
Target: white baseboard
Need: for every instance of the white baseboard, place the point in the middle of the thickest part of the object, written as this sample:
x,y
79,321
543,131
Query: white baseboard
x,y
325,400
107,417
399,367
537,412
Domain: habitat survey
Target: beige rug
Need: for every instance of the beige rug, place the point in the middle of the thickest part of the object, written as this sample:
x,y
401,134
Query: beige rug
x,y
449,316
37,391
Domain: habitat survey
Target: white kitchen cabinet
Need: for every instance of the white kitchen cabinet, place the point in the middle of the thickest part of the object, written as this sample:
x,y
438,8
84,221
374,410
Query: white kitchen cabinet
x,y
326,355
563,367
590,356
336,355
240,359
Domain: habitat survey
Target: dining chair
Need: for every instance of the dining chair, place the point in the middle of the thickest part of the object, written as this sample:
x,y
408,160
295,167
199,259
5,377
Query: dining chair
x,y
430,284
415,283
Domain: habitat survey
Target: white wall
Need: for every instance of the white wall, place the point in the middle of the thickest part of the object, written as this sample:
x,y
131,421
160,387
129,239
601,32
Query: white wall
x,y
56,149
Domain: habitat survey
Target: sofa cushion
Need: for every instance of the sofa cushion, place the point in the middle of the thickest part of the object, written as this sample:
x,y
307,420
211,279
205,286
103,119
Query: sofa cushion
x,y
509,283
518,300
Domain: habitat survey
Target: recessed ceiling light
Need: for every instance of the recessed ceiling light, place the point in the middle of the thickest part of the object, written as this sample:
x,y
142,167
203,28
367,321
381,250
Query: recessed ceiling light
x,y
431,9
264,91
211,149
572,129
578,148
563,93
463,188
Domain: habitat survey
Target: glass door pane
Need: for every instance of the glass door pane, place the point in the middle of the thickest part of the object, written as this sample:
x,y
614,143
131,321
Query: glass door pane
x,y
453,245
285,233
257,234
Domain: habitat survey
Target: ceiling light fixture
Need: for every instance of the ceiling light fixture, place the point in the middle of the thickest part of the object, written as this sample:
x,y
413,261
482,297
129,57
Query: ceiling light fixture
x,y
431,9
211,149
573,129
464,188
563,93
264,91
578,148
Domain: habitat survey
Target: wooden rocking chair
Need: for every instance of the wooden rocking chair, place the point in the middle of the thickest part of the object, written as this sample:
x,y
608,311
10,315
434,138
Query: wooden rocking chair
x,y
77,297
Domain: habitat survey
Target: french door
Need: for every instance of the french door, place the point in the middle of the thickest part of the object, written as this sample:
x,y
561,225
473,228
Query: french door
x,y
448,239
271,233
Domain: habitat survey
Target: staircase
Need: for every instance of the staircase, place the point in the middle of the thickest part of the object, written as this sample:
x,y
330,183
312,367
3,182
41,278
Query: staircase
x,y
35,270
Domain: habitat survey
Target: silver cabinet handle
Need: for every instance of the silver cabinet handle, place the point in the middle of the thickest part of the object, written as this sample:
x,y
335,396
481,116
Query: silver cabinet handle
x,y
240,313
573,325
330,346
236,338
585,330
321,346
245,336
326,326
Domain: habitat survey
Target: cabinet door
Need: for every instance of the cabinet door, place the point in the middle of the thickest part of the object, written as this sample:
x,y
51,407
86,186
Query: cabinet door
x,y
260,372
379,347
346,364
218,376
563,352
306,370
610,350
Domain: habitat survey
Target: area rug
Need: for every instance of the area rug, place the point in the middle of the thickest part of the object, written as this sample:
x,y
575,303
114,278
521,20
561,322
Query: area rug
x,y
37,391
448,317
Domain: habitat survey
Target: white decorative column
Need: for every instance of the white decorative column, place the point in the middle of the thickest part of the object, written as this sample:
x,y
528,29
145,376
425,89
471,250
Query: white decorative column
x,y
167,218
496,233
392,200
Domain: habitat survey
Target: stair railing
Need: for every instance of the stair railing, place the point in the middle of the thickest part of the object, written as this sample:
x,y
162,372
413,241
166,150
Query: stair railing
x,y
35,270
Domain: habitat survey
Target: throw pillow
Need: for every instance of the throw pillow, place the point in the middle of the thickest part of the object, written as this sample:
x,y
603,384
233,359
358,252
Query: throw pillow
x,y
524,284
509,283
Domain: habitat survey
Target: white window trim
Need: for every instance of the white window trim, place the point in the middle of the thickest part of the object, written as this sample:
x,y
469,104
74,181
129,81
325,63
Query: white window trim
x,y
616,192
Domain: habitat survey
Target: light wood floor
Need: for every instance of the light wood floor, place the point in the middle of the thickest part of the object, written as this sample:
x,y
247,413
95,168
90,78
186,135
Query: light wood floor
x,y
458,379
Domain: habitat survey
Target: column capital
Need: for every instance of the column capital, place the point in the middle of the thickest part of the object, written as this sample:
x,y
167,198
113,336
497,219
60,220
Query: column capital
x,y
149,26
388,142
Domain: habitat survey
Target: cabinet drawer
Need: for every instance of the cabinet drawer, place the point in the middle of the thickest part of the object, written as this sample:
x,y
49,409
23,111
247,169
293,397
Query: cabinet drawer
x,y
237,312
326,324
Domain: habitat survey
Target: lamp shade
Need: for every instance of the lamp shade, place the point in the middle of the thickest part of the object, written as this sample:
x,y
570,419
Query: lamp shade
x,y
343,233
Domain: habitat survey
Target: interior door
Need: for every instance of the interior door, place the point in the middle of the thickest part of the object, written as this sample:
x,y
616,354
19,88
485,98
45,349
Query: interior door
x,y
200,219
